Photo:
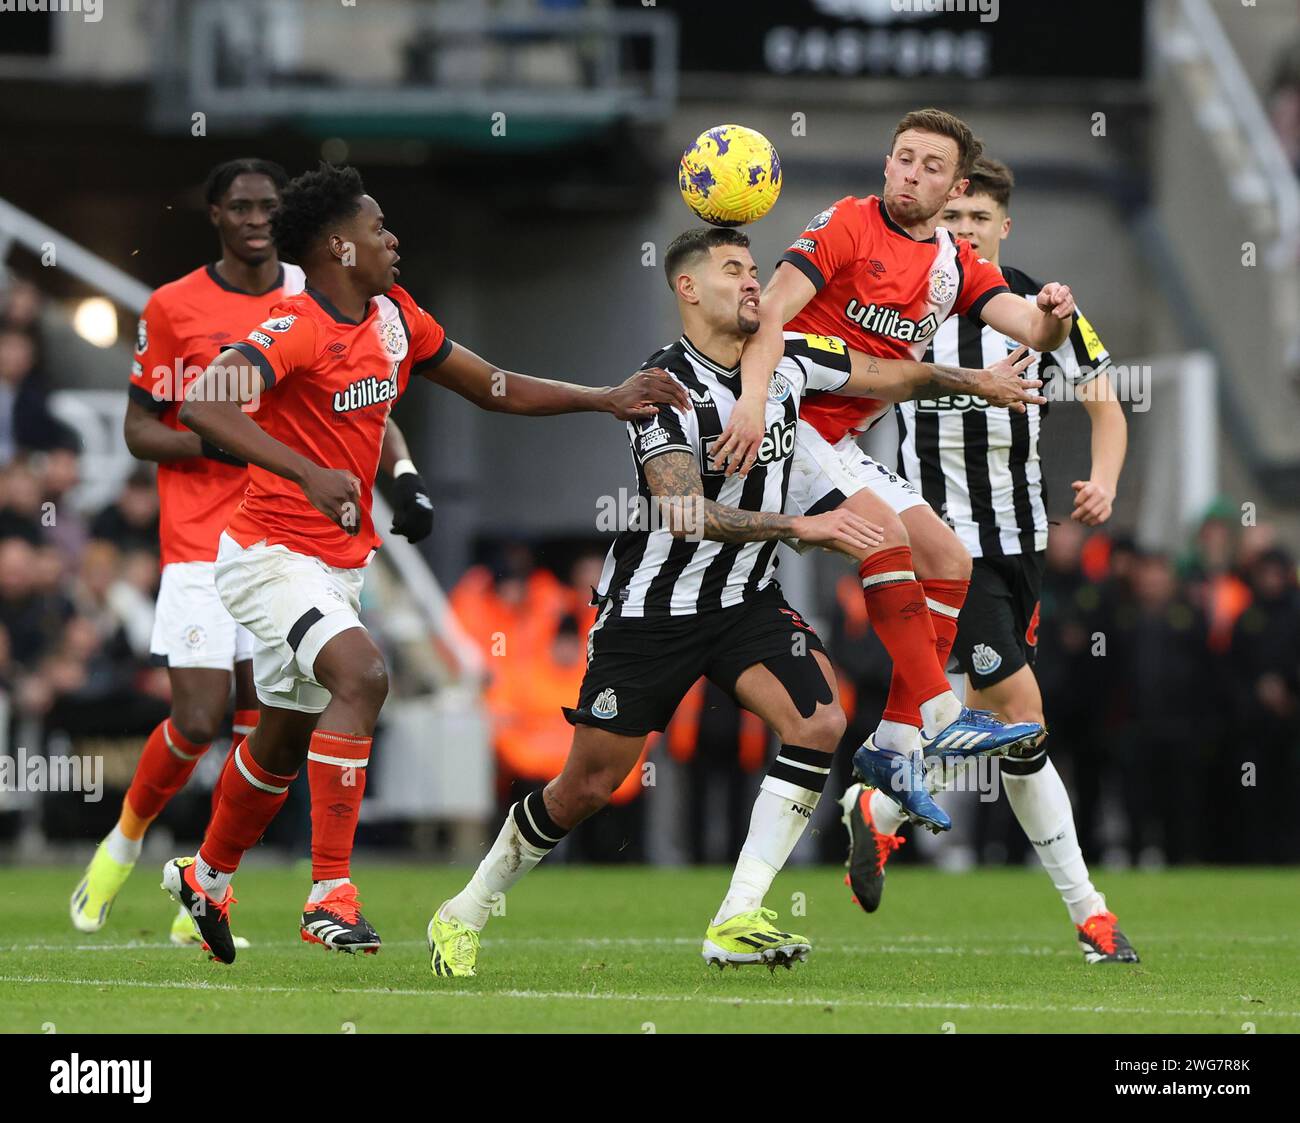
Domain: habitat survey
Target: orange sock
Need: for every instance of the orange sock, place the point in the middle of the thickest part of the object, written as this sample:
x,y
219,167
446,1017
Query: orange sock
x,y
244,724
945,599
336,770
896,605
250,798
164,766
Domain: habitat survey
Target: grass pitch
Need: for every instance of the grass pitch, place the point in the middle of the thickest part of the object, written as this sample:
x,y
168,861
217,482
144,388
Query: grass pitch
x,y
617,949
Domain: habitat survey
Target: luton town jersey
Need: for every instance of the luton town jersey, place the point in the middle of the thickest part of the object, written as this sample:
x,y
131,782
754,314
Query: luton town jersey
x,y
330,383
883,292
185,325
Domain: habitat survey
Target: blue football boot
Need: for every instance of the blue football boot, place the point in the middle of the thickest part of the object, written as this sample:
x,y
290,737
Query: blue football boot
x,y
979,733
900,777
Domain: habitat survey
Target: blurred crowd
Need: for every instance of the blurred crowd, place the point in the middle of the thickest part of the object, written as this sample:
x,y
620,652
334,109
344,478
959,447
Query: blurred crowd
x,y
1171,686
76,590
1171,683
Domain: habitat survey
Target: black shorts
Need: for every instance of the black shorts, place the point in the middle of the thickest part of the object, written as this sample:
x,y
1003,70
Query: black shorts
x,y
639,670
997,631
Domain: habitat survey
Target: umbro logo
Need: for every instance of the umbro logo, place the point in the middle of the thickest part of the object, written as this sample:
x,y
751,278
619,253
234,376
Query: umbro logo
x,y
877,267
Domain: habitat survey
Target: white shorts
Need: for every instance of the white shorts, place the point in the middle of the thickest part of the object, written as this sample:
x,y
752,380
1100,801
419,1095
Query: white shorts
x,y
191,627
294,605
823,475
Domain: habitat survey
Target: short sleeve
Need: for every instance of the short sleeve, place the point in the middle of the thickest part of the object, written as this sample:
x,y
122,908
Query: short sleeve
x,y
827,245
823,359
153,366
1082,356
981,281
665,432
279,346
429,342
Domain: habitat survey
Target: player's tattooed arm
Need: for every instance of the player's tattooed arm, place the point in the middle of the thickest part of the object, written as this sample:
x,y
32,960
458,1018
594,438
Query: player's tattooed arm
x,y
899,380
214,409
674,481
504,391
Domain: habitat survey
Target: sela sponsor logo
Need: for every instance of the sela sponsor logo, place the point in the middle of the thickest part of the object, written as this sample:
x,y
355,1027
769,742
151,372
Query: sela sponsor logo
x,y
984,659
366,392
82,1075
606,704
281,323
890,322
777,443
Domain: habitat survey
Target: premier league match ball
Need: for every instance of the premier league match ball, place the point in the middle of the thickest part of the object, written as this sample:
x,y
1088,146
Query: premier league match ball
x,y
730,175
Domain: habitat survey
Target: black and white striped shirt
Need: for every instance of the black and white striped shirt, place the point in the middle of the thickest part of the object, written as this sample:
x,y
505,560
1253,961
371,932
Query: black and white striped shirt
x,y
978,466
648,572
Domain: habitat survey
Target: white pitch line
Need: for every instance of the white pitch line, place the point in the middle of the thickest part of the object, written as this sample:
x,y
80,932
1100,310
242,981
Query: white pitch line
x,y
586,996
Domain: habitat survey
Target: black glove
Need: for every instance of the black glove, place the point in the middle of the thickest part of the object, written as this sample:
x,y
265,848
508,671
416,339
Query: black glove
x,y
412,508
212,452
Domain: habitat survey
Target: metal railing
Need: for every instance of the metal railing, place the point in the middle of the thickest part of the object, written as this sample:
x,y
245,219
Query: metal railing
x,y
424,60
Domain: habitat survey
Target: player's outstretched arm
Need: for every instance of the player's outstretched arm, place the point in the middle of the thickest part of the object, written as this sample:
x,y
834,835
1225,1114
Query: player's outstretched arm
x,y
1043,325
412,506
900,380
214,410
737,445
674,481
503,391
148,438
1094,497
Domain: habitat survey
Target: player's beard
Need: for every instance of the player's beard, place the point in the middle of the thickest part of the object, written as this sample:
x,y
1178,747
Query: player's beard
x,y
747,326
908,214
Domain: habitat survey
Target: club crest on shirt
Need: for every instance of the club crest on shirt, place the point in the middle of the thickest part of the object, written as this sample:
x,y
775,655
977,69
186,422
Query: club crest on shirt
x,y
778,389
390,335
195,637
943,286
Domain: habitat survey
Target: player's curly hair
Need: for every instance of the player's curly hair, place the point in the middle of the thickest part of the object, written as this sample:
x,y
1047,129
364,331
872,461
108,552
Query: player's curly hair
x,y
310,203
223,175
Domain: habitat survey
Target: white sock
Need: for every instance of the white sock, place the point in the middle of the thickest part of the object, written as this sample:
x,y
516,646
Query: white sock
x,y
122,849
897,736
1042,805
322,889
512,855
785,803
939,712
886,815
213,882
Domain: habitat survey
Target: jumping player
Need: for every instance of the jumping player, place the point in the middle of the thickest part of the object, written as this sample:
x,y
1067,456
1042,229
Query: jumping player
x,y
184,325
327,365
978,466
880,273
691,593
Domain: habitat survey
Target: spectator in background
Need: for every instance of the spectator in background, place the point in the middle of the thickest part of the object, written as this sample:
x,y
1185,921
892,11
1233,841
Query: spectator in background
x,y
130,522
61,522
20,503
1284,100
26,423
1156,656
31,612
20,307
1261,767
